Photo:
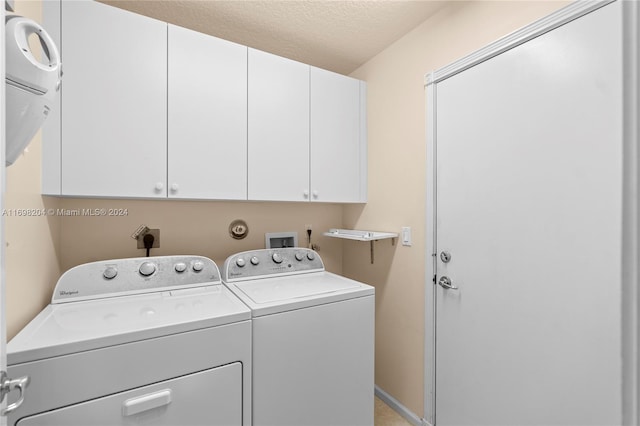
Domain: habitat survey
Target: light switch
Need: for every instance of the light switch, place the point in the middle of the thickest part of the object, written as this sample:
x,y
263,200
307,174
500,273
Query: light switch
x,y
406,235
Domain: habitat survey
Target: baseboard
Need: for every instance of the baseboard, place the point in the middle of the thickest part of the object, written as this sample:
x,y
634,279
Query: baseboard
x,y
410,416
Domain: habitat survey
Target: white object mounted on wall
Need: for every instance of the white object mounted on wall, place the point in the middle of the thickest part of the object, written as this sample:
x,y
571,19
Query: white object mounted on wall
x,y
31,85
357,235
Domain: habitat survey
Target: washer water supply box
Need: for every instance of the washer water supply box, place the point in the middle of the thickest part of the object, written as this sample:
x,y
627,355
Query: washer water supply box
x,y
281,239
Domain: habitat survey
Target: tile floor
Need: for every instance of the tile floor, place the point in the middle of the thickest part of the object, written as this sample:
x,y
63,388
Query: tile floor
x,y
386,416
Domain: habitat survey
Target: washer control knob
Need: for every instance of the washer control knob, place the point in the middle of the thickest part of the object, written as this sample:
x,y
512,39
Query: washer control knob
x,y
180,267
198,266
110,272
255,260
240,262
147,269
311,255
276,258
299,257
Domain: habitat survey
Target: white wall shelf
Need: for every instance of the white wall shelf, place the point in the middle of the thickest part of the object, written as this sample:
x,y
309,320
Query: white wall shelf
x,y
356,235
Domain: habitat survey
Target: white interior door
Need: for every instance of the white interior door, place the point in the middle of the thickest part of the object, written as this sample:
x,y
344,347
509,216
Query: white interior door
x,y
529,172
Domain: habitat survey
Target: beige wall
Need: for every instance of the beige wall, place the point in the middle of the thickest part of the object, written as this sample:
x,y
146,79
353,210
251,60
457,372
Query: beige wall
x,y
192,227
397,176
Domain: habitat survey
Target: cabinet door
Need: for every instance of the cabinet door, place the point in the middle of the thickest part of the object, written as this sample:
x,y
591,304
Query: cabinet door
x,y
114,102
338,138
207,113
278,156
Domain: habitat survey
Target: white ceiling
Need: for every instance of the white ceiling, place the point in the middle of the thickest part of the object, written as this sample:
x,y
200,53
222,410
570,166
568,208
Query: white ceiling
x,y
339,35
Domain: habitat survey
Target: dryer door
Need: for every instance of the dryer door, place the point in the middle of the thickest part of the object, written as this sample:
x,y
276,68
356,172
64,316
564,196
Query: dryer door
x,y
211,397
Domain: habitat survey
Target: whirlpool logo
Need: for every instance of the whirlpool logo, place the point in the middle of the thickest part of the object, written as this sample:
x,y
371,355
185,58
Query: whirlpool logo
x,y
69,293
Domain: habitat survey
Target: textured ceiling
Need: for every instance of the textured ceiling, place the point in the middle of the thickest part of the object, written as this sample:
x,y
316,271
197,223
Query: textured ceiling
x,y
338,35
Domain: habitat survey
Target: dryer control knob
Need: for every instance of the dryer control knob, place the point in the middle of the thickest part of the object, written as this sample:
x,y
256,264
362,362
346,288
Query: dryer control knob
x,y
147,269
180,267
276,258
299,257
110,272
198,266
240,262
311,255
255,260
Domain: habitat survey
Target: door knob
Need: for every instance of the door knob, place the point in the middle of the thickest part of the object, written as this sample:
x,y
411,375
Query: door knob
x,y
445,282
445,256
7,385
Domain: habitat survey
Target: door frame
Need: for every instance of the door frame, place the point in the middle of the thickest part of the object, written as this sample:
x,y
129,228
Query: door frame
x,y
3,322
630,349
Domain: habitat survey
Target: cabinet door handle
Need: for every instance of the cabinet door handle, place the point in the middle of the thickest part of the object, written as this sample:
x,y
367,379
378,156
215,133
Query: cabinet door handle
x,y
146,402
159,186
305,193
315,193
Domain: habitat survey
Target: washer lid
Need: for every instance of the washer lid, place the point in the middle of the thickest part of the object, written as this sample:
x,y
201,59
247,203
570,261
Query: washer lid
x,y
66,328
272,295
287,288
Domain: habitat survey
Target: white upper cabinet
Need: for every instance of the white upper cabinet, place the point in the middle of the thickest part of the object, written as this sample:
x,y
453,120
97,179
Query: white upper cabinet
x,y
338,138
278,156
207,117
114,102
152,110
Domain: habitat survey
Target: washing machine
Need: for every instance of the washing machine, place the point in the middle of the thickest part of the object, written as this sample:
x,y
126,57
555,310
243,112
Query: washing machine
x,y
312,338
141,341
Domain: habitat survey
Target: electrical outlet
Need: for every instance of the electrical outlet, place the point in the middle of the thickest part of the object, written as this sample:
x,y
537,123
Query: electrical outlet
x,y
156,238
308,230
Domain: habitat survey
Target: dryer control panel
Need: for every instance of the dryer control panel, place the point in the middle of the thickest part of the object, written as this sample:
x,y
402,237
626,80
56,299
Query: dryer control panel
x,y
255,264
120,277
